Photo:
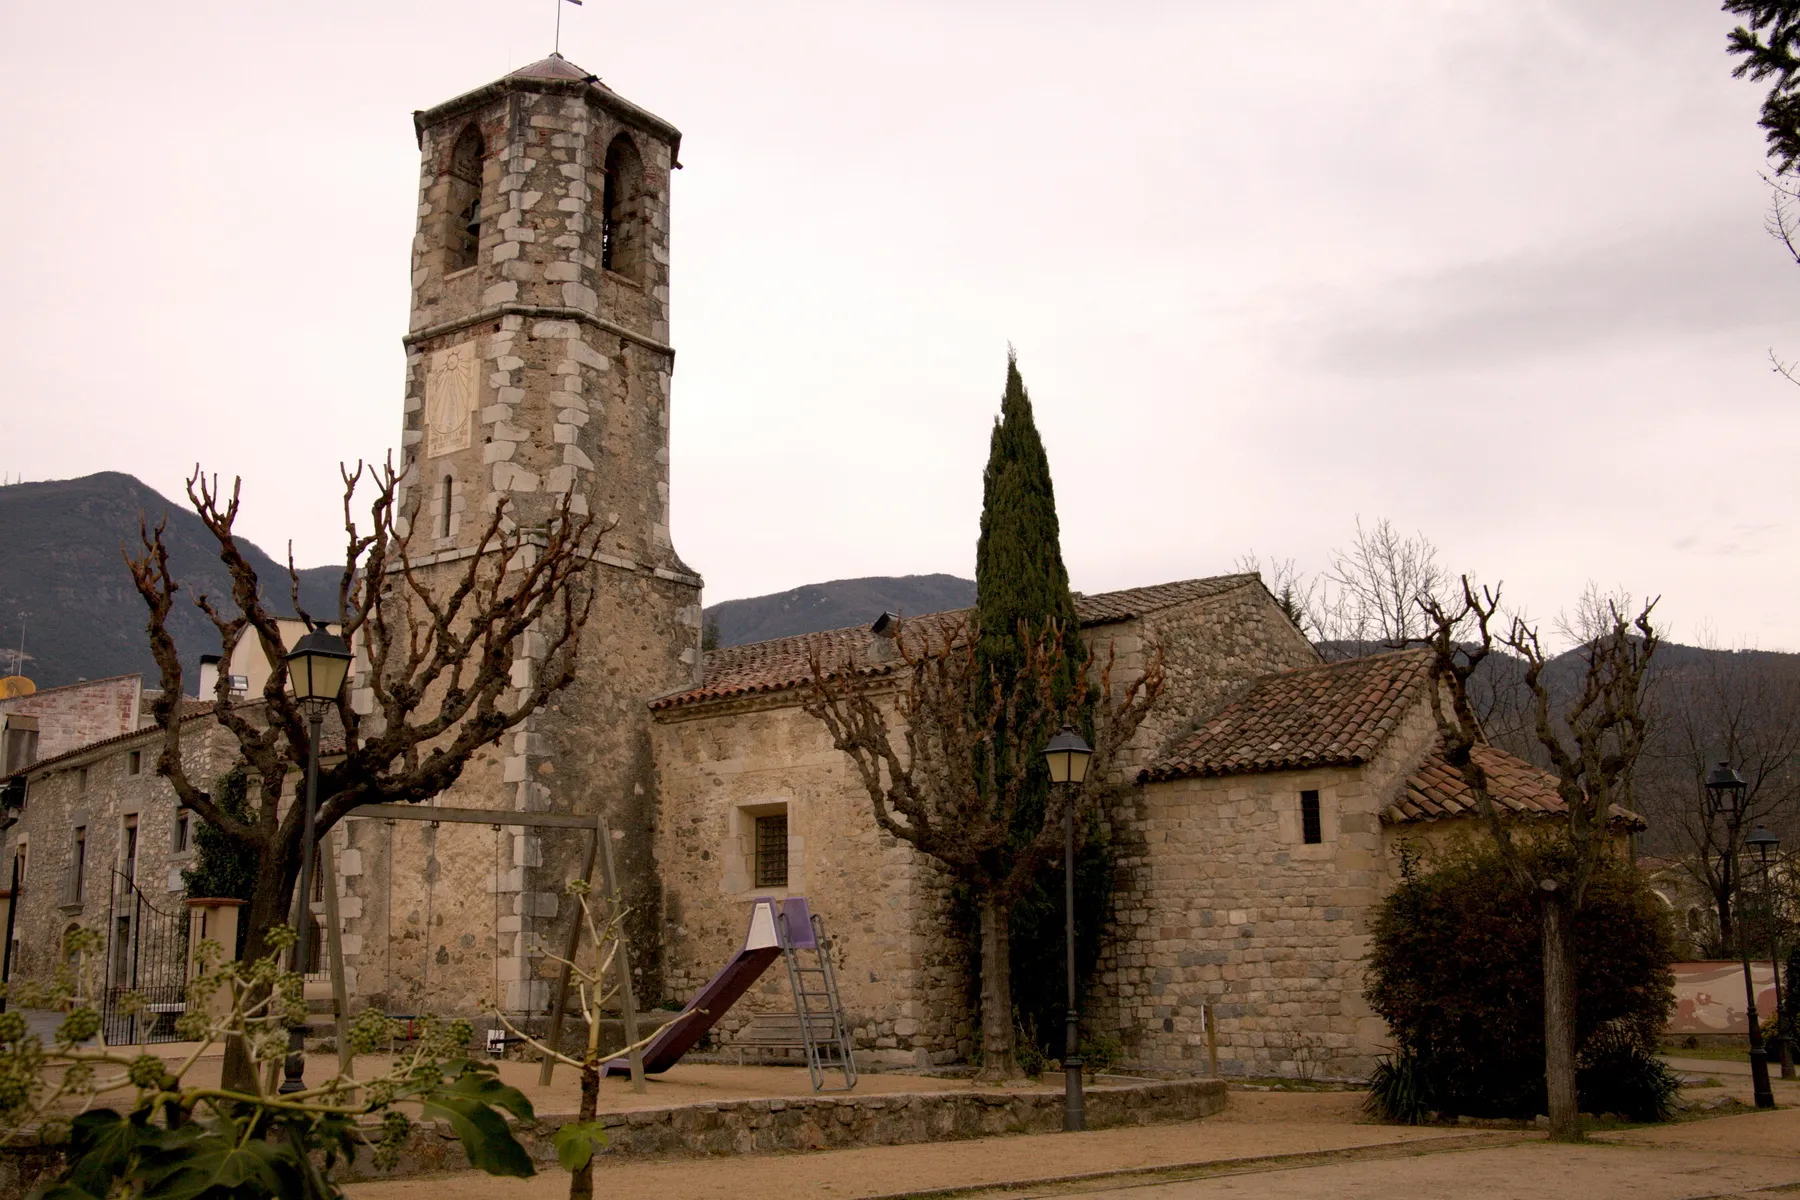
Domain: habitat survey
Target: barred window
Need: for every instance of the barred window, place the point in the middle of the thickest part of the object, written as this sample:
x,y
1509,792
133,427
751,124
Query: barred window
x,y
772,851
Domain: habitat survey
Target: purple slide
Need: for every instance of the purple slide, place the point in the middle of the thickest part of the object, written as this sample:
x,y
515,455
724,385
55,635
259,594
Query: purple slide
x,y
762,946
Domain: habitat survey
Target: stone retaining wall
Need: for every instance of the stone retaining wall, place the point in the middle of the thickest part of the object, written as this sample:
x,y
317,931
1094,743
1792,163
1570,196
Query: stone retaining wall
x,y
835,1123
766,1126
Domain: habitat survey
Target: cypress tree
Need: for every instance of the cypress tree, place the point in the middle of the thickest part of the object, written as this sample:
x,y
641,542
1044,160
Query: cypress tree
x,y
1021,586
1019,572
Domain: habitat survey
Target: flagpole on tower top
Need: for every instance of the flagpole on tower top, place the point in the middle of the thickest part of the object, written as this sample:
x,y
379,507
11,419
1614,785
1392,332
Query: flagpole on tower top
x,y
559,4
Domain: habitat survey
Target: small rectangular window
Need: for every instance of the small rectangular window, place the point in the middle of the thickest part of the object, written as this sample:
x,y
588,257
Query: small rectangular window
x,y
134,763
184,831
81,780
1311,831
130,848
78,867
24,859
772,851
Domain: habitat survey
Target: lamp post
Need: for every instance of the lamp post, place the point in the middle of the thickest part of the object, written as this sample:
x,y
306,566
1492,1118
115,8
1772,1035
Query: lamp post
x,y
316,668
1725,796
1068,757
1766,844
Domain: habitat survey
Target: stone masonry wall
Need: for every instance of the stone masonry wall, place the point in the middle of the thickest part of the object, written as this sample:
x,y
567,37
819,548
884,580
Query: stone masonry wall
x,y
80,713
97,792
740,1127
1222,902
1211,649
532,374
881,901
904,967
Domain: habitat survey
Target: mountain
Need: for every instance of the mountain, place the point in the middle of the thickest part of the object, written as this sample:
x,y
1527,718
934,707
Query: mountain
x,y
63,575
836,605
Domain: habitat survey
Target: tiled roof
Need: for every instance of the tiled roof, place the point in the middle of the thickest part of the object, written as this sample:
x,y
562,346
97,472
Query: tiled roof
x,y
1337,715
1436,791
782,663
1107,607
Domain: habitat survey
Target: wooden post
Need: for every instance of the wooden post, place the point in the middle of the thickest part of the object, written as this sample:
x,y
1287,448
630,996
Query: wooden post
x,y
622,960
1212,1041
334,949
562,980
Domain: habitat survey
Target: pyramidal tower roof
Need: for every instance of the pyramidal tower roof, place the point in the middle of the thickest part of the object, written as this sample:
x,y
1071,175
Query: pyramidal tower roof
x,y
554,67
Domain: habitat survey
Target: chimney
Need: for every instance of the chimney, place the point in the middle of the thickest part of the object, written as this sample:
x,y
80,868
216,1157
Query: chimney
x,y
882,647
209,675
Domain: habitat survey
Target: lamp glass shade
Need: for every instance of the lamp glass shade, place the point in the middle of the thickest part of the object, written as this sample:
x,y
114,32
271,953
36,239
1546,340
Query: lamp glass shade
x,y
1726,788
1763,842
317,665
1068,757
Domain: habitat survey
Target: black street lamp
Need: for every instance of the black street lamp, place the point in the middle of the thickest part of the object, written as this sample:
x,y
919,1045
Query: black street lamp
x,y
316,668
1068,757
1766,844
1725,790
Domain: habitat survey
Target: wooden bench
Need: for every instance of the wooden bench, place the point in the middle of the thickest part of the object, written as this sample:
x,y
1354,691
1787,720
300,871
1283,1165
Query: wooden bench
x,y
780,1031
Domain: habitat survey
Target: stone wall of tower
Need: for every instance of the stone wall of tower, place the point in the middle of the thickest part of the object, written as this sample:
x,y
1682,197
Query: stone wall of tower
x,y
534,372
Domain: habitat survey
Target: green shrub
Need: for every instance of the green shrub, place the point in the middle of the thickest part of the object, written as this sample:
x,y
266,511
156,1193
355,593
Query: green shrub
x,y
1400,1090
1456,970
1627,1079
223,867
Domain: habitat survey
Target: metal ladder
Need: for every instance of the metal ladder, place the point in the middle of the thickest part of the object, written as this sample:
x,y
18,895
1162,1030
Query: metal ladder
x,y
821,1017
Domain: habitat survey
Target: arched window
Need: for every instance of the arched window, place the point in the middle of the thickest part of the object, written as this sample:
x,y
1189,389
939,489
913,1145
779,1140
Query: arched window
x,y
448,493
462,196
621,218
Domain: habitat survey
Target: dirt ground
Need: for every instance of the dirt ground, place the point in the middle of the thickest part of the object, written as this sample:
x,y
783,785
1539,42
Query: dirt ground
x,y
687,1083
1283,1145
1258,1124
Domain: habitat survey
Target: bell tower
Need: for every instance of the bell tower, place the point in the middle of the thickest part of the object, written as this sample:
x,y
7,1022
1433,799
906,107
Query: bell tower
x,y
537,365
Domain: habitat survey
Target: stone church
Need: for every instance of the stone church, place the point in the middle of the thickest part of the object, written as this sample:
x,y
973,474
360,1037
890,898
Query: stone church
x,y
1270,791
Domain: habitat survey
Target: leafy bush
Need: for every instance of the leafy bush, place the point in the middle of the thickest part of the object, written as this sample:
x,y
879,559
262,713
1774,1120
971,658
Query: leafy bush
x,y
170,1139
223,867
1457,972
1627,1079
1039,943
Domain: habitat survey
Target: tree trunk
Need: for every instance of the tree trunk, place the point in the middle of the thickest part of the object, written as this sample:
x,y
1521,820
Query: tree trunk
x,y
267,904
581,1183
1559,1019
997,1059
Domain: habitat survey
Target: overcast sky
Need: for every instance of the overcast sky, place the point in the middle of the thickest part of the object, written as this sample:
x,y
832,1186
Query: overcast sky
x,y
1493,269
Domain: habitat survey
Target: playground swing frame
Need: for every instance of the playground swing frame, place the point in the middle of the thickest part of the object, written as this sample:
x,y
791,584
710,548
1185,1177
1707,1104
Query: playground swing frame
x,y
599,852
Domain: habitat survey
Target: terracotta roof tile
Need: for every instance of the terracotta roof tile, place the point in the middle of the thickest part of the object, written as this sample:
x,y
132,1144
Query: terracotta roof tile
x,y
1337,715
1436,792
1106,607
782,663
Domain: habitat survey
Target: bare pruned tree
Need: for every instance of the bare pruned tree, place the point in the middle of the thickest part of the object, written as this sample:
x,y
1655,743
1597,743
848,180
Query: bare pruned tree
x,y
437,651
1712,705
1593,745
1783,224
948,753
1372,593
